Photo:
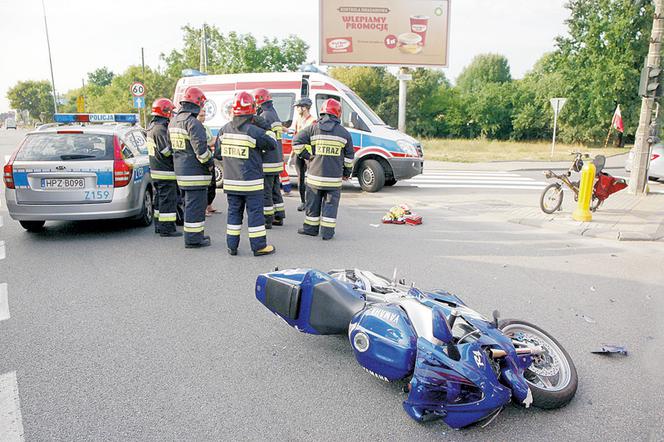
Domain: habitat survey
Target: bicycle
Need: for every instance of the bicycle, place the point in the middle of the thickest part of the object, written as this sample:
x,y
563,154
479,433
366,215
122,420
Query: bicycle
x,y
551,199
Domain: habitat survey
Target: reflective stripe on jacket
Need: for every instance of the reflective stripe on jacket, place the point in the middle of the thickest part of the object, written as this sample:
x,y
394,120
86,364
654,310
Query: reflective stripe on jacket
x,y
241,143
190,150
272,159
159,150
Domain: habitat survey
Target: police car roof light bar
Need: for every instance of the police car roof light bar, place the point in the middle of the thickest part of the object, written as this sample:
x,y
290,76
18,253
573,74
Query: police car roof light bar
x,y
96,118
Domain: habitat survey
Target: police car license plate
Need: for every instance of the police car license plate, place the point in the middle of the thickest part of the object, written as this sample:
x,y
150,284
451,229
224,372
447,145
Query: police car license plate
x,y
62,183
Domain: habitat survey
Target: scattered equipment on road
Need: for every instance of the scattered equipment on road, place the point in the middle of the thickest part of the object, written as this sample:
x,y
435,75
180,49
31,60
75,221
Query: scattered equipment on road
x,y
461,366
402,214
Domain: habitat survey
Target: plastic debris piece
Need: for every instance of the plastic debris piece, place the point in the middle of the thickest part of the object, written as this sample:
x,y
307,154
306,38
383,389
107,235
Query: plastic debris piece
x,y
606,349
592,288
374,225
588,319
612,300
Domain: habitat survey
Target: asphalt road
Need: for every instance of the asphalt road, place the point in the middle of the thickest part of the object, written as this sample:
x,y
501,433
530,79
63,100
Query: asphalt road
x,y
116,334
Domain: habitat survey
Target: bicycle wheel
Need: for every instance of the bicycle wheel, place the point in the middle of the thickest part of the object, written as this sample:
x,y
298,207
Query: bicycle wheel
x,y
552,198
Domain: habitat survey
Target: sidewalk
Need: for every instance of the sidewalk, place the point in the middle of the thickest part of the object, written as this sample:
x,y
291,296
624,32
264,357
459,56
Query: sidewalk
x,y
623,217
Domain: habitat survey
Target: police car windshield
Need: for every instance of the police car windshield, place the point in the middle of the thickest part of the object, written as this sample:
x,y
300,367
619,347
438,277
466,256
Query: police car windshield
x,y
365,109
66,147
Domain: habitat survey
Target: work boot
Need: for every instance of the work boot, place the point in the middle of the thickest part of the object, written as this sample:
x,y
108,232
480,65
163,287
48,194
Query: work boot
x,y
204,243
232,252
300,208
268,226
278,222
327,238
267,250
173,234
304,232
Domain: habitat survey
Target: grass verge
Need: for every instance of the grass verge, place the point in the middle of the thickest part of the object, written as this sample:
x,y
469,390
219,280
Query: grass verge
x,y
480,151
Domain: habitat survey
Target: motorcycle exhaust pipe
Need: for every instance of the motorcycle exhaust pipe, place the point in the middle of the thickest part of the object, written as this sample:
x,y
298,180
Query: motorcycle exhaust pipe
x,y
497,354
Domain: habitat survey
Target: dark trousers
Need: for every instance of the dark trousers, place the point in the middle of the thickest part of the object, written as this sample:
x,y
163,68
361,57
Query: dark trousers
x,y
212,188
195,202
321,211
165,205
273,202
237,204
301,167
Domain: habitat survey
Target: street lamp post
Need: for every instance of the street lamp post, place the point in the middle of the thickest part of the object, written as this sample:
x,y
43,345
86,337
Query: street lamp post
x,y
50,62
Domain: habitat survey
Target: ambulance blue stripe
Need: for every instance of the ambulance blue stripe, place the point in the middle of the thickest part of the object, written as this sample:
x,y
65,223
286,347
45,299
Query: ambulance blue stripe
x,y
371,141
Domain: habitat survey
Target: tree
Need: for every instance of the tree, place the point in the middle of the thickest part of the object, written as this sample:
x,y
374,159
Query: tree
x,y
599,63
483,69
100,77
235,53
375,85
32,96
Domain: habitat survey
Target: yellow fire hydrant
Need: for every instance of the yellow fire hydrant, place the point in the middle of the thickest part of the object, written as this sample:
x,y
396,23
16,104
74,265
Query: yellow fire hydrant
x,y
582,212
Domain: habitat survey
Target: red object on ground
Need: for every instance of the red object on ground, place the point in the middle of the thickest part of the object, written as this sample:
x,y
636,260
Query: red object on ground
x,y
607,185
414,220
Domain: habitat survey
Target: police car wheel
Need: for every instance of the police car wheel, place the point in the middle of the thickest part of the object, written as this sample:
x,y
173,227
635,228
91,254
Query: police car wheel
x,y
32,226
147,211
371,176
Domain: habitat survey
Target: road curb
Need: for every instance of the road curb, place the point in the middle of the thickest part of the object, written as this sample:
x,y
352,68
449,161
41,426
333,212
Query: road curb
x,y
587,232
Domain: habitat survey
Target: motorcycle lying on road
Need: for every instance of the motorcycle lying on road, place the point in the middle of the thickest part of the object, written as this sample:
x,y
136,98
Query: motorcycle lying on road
x,y
551,199
460,366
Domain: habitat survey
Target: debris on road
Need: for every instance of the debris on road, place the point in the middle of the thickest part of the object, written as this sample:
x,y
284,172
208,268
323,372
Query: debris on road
x,y
592,288
402,215
608,349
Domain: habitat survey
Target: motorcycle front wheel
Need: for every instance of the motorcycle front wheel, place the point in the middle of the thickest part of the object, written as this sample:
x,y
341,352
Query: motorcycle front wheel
x,y
552,198
552,375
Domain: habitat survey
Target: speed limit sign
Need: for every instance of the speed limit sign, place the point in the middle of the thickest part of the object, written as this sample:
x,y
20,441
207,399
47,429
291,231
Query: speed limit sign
x,y
137,89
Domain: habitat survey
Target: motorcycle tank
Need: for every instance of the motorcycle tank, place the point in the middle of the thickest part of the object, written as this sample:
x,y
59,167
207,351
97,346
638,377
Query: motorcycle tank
x,y
384,341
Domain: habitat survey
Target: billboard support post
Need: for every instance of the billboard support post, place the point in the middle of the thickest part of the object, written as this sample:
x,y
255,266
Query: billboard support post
x,y
403,94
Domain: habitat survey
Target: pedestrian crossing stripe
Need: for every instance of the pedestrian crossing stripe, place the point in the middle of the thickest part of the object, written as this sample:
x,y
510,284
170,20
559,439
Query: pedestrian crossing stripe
x,y
470,180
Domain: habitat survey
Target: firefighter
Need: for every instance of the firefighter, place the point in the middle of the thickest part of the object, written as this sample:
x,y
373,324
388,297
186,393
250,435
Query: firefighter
x,y
328,147
273,161
303,119
241,143
161,169
191,157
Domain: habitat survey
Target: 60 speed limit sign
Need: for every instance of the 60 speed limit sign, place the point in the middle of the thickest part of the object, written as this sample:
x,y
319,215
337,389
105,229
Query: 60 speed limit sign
x,y
137,89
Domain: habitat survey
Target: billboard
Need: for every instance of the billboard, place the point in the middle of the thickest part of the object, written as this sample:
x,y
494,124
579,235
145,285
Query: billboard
x,y
384,32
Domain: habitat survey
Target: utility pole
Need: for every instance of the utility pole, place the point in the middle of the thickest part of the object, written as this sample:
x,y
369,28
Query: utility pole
x,y
647,130
145,112
50,62
403,76
203,65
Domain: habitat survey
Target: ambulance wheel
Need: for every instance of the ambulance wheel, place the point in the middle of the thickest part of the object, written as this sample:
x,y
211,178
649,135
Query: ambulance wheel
x,y
390,182
217,175
371,176
32,226
147,210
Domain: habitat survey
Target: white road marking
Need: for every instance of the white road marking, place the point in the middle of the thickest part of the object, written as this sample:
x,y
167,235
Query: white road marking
x,y
4,303
11,422
473,180
2,250
477,186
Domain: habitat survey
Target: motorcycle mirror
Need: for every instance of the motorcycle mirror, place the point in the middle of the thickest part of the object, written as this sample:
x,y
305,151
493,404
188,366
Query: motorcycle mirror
x,y
496,315
441,329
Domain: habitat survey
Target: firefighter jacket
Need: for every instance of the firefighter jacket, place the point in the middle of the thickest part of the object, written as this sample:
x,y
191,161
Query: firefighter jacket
x,y
159,150
329,148
242,144
190,149
272,159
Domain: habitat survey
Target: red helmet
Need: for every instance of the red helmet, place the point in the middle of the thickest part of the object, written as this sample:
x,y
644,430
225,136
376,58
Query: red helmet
x,y
331,107
194,95
261,96
244,104
162,107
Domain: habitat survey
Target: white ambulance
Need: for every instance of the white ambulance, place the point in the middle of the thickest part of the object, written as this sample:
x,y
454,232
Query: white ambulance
x,y
383,155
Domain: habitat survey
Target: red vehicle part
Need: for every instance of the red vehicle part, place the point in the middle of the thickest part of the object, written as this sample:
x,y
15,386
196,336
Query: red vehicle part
x,y
607,185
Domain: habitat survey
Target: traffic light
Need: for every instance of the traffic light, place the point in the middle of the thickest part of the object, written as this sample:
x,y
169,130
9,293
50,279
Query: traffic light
x,y
651,84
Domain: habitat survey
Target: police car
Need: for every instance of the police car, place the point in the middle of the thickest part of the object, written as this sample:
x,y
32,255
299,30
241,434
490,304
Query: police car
x,y
82,167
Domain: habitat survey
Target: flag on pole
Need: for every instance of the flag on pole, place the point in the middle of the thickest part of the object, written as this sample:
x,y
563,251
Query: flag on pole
x,y
617,121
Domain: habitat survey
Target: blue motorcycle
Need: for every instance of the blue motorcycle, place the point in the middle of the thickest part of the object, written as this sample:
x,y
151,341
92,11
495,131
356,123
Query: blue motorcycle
x,y
463,367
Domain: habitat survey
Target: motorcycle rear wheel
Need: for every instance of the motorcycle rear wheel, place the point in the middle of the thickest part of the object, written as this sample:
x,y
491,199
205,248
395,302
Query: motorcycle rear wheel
x,y
552,198
552,376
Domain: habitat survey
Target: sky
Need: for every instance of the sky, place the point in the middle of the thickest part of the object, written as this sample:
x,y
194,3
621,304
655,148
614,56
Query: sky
x,y
87,34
